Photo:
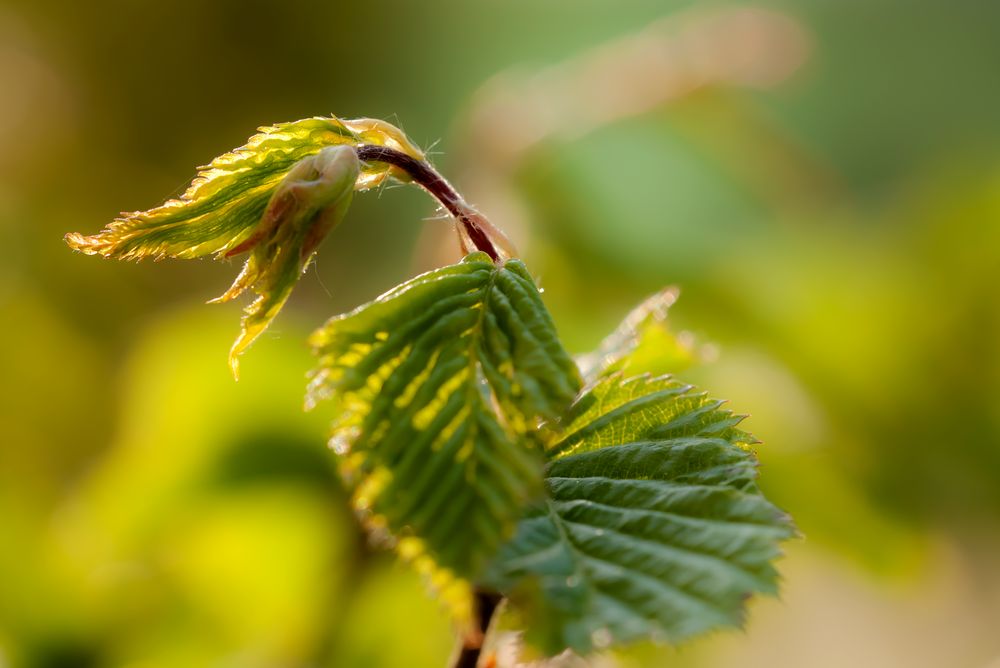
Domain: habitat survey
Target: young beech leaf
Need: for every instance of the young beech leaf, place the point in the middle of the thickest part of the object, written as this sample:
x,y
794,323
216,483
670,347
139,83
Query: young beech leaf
x,y
643,343
311,199
443,386
653,525
265,197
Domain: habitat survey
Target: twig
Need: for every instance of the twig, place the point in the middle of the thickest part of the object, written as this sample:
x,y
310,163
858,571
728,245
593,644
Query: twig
x,y
427,177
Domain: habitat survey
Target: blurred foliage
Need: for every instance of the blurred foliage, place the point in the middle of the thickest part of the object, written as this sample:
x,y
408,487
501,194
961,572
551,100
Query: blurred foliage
x,y
835,237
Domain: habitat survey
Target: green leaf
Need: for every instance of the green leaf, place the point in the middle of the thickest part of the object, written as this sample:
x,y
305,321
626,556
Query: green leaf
x,y
643,343
653,527
444,384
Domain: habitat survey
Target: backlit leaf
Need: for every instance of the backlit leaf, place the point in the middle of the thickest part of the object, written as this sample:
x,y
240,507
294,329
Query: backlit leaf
x,y
310,201
653,527
643,343
275,197
443,384
224,203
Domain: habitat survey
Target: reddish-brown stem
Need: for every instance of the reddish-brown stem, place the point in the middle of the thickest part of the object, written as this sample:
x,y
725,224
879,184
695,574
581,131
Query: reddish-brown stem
x,y
428,178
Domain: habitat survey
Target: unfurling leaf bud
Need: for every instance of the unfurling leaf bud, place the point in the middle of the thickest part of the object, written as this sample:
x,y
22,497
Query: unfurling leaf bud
x,y
277,197
224,203
309,202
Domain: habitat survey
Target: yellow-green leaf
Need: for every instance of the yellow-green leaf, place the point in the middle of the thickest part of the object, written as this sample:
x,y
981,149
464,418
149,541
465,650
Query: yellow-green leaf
x,y
643,343
311,199
224,203
275,197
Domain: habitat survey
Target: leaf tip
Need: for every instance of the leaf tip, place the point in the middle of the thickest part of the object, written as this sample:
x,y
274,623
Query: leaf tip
x,y
234,359
94,245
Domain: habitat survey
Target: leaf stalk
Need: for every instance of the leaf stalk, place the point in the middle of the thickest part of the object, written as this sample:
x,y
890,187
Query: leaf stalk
x,y
475,231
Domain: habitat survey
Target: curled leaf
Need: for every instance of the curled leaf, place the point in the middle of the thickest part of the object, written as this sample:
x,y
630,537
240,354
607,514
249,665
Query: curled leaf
x,y
276,196
310,201
224,203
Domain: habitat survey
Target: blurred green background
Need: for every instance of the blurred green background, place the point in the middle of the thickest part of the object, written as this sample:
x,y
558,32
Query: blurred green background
x,y
821,179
